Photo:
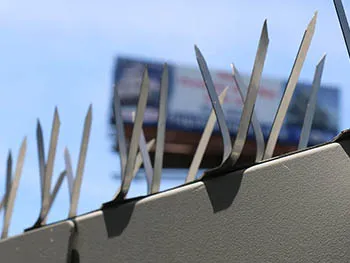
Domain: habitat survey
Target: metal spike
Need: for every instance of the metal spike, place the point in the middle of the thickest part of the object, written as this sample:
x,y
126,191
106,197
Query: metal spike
x,y
69,172
81,164
120,132
145,157
203,143
14,187
162,114
291,84
215,103
311,106
8,181
41,157
135,138
55,191
252,93
4,201
343,22
259,136
49,167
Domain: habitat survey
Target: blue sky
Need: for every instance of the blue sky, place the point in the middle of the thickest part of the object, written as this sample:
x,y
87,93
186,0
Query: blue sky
x,y
61,53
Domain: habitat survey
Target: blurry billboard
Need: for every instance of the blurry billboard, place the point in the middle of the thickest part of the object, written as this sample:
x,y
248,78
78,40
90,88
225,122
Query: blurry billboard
x,y
189,104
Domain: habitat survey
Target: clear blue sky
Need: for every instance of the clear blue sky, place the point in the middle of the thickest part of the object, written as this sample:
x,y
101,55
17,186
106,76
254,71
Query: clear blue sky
x,y
62,53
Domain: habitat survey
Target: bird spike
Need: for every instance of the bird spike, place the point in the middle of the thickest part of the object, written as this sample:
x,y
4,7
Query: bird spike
x,y
251,96
162,113
120,132
135,139
81,164
209,84
291,84
311,106
343,23
203,143
259,136
14,186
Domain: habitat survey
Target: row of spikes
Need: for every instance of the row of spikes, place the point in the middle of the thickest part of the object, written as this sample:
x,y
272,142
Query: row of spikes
x,y
46,172
231,151
138,151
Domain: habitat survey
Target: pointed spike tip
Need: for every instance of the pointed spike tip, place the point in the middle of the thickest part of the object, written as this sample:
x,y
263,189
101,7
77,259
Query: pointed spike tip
x,y
265,32
313,20
89,112
56,115
323,58
197,50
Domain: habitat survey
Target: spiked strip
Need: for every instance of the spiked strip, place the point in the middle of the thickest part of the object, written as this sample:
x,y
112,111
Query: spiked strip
x,y
311,106
81,164
203,143
343,22
252,94
135,138
259,136
162,113
291,84
226,140
146,158
120,132
14,187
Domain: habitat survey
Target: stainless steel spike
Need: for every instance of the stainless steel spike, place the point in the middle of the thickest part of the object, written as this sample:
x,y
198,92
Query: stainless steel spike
x,y
226,139
135,138
252,94
145,157
49,168
55,191
81,164
259,136
291,84
203,143
162,114
4,201
69,172
120,132
41,157
311,106
343,22
14,187
8,181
